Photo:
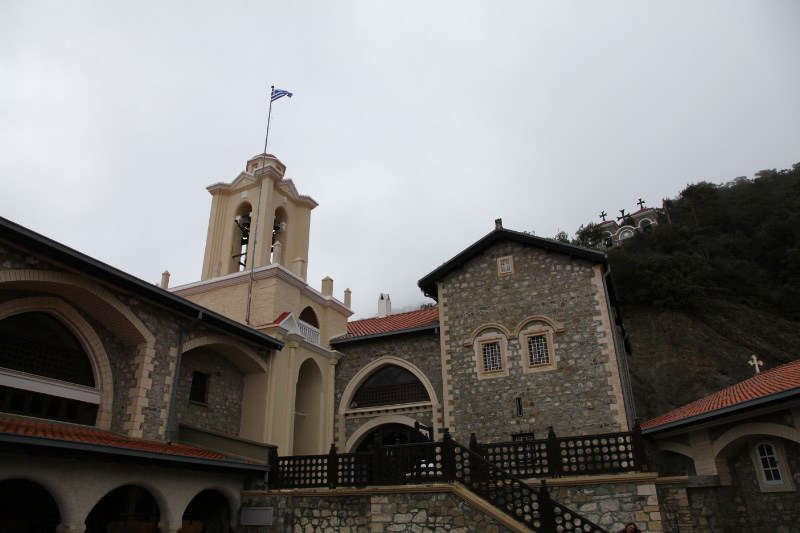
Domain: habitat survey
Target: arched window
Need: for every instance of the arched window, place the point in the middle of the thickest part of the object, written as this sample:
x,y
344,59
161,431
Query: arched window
x,y
38,344
309,325
389,386
769,464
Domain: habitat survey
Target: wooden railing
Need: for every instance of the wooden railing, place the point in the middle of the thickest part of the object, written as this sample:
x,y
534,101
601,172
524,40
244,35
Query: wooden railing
x,y
608,453
492,471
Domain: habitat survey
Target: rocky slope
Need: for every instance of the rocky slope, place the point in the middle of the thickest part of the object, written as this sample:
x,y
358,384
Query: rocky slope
x,y
678,357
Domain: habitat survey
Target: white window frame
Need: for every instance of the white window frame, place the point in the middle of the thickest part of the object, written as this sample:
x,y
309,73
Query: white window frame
x,y
500,261
785,484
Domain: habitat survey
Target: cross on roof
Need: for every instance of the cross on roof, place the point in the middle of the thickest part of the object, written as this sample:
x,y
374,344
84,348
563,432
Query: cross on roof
x,y
624,216
641,203
603,215
754,362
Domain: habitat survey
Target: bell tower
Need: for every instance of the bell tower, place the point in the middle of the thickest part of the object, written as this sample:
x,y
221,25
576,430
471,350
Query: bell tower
x,y
243,233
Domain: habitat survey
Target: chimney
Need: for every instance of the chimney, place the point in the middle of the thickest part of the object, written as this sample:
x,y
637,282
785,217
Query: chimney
x,y
347,297
384,306
327,286
165,280
498,223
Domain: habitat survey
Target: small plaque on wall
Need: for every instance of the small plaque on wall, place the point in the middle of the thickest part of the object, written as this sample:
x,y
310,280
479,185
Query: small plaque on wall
x,y
256,516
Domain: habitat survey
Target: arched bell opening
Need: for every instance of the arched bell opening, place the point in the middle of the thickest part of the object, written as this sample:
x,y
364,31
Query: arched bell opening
x,y
280,233
240,240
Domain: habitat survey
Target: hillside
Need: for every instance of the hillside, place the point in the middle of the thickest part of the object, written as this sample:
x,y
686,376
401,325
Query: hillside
x,y
718,281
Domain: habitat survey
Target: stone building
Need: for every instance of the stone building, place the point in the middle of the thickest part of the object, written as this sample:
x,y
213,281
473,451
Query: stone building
x,y
526,336
615,232
121,403
735,455
154,408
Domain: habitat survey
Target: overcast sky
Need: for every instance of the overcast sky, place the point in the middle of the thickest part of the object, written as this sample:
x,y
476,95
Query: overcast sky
x,y
413,124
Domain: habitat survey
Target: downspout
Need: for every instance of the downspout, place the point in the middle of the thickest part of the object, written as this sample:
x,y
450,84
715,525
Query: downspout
x,y
177,375
626,395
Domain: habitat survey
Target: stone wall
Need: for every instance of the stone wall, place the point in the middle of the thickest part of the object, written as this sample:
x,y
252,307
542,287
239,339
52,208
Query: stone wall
x,y
612,505
371,513
577,397
223,408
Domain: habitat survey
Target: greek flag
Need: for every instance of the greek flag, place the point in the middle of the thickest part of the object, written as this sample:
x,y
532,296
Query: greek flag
x,y
277,93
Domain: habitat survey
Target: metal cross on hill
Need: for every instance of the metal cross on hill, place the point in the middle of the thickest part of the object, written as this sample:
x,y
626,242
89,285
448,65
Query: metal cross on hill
x,y
603,215
754,362
624,216
641,203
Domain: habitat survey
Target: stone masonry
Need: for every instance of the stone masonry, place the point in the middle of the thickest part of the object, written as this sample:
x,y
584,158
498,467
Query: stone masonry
x,y
576,397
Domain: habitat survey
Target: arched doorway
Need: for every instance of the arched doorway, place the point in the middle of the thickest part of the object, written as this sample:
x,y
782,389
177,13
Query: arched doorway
x,y
390,434
208,512
307,416
26,507
128,509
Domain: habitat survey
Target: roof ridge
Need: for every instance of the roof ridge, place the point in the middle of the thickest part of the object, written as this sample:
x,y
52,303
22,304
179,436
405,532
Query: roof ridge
x,y
394,315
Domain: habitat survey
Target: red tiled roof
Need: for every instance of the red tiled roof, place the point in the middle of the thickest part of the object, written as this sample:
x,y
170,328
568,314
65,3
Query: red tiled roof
x,y
95,436
779,379
392,323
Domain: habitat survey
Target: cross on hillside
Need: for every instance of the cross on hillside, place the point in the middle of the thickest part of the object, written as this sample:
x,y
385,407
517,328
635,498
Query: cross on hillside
x,y
754,362
641,203
603,215
624,216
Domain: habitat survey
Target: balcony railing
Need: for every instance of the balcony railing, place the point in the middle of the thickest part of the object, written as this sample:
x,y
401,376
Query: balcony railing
x,y
309,332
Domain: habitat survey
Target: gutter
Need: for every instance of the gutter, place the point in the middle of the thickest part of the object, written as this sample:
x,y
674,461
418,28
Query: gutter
x,y
384,334
630,411
226,464
777,396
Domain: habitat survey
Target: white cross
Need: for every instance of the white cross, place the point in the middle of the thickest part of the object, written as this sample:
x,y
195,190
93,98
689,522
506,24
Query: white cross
x,y
754,362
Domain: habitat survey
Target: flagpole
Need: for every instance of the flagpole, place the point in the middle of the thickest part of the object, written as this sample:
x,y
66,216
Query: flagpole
x,y
258,210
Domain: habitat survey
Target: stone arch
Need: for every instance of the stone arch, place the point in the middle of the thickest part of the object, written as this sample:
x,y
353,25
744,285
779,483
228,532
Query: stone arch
x,y
28,502
166,511
368,370
366,429
230,505
731,438
308,405
45,484
86,336
675,447
96,301
238,353
483,327
537,318
231,497
104,307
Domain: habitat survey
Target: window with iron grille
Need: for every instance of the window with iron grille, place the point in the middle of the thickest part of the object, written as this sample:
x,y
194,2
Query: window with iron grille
x,y
389,386
491,357
199,391
537,350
